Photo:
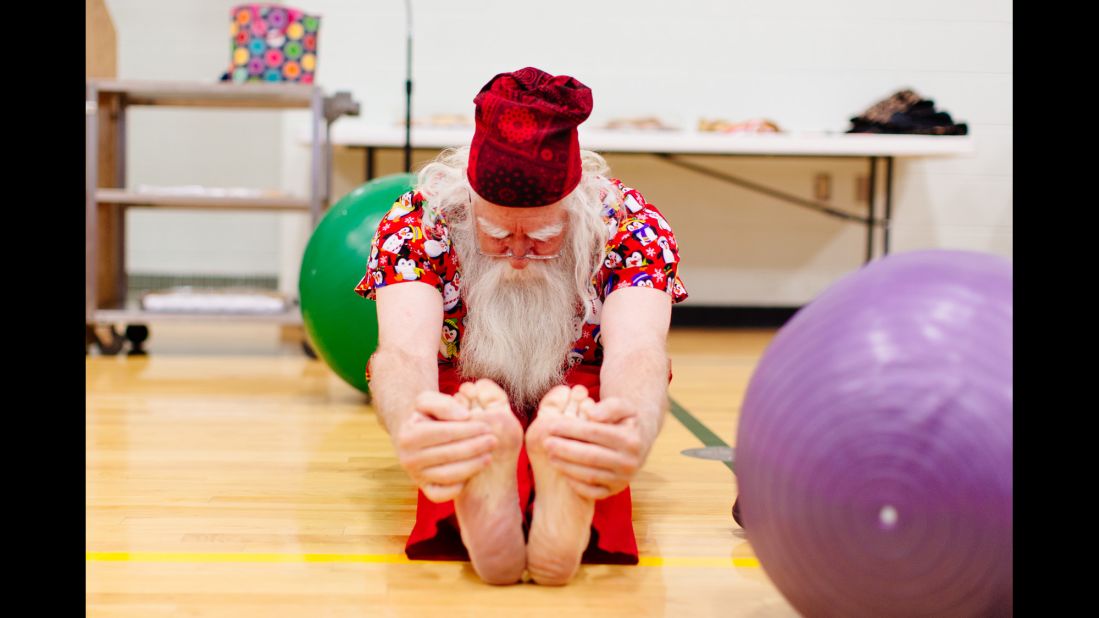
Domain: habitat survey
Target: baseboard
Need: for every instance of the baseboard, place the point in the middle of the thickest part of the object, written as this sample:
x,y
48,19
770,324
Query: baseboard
x,y
731,316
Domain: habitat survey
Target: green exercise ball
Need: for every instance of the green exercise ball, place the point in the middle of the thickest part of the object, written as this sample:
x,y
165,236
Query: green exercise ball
x,y
343,326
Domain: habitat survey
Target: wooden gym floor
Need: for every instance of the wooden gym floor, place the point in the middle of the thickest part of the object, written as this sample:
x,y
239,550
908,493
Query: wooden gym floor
x,y
229,475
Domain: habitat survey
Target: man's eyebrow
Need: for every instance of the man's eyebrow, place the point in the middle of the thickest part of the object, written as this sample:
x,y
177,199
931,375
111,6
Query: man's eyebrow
x,y
492,229
547,232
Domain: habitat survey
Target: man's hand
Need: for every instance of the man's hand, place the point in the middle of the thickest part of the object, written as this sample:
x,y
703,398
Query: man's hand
x,y
599,454
441,447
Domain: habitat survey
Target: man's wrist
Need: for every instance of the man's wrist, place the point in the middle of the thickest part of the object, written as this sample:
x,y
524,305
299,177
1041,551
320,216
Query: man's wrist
x,y
647,417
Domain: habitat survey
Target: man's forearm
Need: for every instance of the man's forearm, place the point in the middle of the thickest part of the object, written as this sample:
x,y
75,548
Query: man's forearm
x,y
396,378
639,376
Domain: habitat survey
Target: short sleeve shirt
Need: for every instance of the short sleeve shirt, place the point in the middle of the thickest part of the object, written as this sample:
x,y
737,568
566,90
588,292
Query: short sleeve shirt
x,y
412,244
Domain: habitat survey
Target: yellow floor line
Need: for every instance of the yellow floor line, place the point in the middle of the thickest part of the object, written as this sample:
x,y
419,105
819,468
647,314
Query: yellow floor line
x,y
204,557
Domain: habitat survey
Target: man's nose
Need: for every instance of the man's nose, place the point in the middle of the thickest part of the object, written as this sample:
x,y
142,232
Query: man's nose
x,y
519,246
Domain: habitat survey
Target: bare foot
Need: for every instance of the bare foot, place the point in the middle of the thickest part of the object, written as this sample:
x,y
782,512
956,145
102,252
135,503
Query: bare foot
x,y
561,527
488,507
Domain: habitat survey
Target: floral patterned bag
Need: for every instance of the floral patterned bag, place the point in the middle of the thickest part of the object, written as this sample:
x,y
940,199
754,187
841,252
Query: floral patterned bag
x,y
272,43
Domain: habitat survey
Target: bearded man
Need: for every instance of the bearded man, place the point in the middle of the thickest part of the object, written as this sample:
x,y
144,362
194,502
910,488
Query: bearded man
x,y
524,429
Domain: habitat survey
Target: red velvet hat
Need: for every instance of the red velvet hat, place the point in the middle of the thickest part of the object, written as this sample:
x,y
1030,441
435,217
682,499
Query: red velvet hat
x,y
525,150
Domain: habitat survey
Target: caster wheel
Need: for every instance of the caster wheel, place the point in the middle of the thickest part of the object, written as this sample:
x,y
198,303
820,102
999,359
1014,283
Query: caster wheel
x,y
137,334
308,349
109,342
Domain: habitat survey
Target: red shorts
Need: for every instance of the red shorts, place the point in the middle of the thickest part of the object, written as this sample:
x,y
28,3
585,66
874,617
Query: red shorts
x,y
436,537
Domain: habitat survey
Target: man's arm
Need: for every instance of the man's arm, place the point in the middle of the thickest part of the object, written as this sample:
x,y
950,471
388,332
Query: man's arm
x,y
436,442
600,456
409,321
634,329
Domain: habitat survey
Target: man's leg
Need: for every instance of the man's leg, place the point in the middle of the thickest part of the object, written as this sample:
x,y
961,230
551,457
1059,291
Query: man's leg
x,y
561,523
488,512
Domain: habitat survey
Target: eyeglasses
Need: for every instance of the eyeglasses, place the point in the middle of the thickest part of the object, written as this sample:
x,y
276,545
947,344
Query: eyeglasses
x,y
510,255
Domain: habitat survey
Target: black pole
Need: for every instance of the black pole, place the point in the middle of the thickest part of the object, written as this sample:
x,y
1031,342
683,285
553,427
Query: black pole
x,y
873,181
887,222
408,90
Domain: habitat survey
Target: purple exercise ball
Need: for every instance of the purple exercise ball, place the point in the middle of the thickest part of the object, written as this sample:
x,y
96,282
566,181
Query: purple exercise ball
x,y
874,448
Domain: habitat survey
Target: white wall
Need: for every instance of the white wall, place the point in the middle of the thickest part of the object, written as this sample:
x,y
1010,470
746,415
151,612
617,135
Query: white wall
x,y
805,64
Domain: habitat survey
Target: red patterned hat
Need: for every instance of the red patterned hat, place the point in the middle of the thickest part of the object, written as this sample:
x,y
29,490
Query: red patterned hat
x,y
525,150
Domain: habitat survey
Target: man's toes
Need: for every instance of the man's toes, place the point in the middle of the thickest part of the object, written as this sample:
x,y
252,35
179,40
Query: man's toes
x,y
586,407
577,395
556,399
490,394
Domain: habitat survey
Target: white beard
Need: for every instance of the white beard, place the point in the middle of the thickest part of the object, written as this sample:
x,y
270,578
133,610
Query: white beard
x,y
520,324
